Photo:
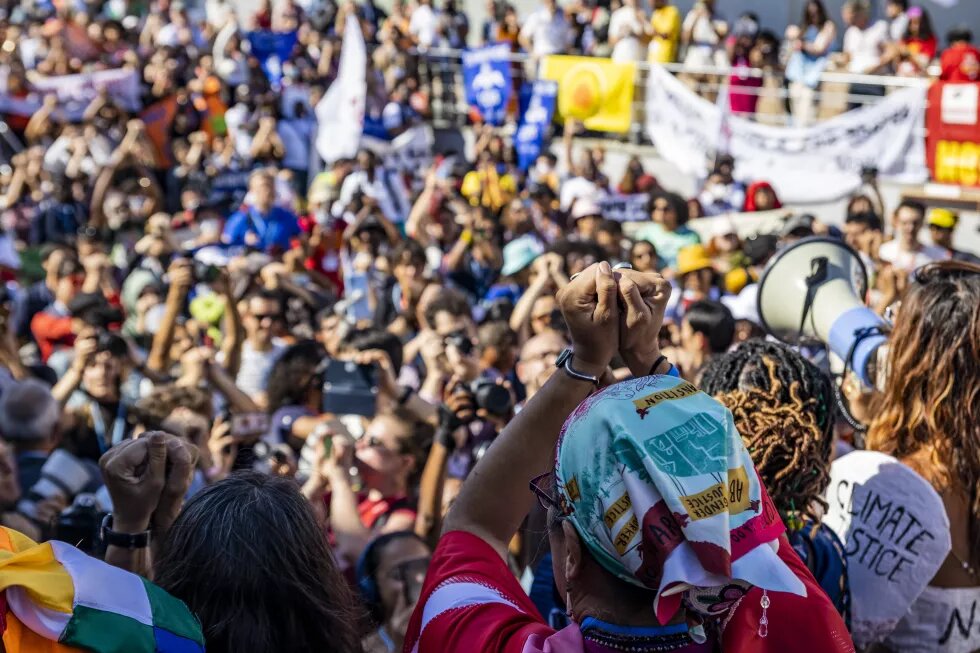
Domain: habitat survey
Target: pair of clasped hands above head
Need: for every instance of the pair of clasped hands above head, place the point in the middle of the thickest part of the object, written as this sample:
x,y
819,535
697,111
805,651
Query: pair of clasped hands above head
x,y
609,311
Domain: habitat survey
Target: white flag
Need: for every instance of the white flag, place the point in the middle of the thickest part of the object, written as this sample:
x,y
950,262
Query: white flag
x,y
340,113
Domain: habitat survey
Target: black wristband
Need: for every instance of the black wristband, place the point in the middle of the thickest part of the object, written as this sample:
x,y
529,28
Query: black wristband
x,y
656,364
123,540
405,394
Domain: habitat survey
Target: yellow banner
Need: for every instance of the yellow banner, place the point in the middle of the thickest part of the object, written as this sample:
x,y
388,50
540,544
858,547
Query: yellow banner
x,y
594,90
718,498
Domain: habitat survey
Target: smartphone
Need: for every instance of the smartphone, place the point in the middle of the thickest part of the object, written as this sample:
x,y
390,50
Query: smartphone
x,y
350,389
357,287
245,426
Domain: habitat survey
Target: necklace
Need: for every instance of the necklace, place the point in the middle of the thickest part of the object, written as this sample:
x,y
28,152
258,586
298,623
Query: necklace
x,y
634,639
964,564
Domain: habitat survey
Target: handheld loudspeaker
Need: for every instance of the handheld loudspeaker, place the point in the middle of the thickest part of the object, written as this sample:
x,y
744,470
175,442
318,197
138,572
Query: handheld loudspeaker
x,y
811,293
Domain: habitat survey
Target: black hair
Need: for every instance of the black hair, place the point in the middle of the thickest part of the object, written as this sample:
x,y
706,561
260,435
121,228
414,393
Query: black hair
x,y
960,33
294,374
869,219
918,207
372,338
821,21
613,227
247,557
676,202
411,248
904,4
926,30
367,570
784,409
715,321
451,301
498,335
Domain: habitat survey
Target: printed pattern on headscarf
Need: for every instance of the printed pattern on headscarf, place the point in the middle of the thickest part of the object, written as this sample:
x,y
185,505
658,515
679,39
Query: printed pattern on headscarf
x,y
656,479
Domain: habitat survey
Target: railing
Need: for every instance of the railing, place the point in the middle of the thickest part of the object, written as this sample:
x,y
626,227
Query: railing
x,y
441,70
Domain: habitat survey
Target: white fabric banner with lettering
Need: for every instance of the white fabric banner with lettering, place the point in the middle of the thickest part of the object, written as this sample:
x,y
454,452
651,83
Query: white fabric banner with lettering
x,y
895,533
75,92
820,163
340,113
625,208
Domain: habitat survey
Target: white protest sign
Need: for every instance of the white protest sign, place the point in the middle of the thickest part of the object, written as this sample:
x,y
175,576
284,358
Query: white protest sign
x,y
409,152
813,164
625,208
75,92
895,533
959,104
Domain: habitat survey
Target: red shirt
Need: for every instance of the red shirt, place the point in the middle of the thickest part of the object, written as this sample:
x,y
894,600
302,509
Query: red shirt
x,y
960,63
50,330
471,596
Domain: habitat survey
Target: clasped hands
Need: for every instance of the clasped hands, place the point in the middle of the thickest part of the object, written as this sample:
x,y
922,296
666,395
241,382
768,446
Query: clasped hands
x,y
609,311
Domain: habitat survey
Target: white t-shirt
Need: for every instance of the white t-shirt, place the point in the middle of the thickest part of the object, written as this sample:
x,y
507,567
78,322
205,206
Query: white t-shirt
x,y
548,32
625,25
909,261
423,25
253,375
576,188
387,189
865,46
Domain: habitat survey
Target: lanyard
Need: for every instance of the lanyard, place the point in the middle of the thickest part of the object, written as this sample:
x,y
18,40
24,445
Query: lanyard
x,y
118,425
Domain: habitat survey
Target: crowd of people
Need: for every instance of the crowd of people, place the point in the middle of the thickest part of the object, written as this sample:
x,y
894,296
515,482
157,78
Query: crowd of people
x,y
308,402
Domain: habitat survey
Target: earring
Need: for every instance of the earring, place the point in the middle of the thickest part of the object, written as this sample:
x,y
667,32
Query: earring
x,y
568,604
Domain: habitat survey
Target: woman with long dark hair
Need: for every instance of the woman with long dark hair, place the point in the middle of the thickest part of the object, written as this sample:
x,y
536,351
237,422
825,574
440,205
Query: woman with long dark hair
x,y
928,416
247,557
811,42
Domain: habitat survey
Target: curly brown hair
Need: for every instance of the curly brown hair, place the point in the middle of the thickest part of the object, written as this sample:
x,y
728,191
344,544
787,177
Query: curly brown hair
x,y
931,398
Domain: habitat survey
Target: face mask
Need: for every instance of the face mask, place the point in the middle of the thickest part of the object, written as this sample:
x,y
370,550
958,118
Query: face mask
x,y
717,192
542,168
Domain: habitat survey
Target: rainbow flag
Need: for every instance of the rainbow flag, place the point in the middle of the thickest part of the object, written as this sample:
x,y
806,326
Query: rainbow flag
x,y
58,599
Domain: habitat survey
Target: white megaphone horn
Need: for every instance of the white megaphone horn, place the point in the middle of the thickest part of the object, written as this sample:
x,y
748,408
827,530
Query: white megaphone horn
x,y
811,292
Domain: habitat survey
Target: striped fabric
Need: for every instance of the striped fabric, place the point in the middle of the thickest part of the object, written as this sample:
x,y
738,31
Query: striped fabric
x,y
60,599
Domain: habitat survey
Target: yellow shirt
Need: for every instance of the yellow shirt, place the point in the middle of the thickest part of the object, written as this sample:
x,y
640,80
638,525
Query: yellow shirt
x,y
666,22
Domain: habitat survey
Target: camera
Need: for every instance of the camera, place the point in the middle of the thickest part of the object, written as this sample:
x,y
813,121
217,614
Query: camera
x,y
112,343
491,397
205,272
869,173
62,474
80,524
462,342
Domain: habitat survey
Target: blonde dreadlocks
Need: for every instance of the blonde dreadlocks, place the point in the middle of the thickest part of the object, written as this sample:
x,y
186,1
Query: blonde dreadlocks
x,y
782,406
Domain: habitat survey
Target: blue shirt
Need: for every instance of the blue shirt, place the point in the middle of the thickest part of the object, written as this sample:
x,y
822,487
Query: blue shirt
x,y
274,230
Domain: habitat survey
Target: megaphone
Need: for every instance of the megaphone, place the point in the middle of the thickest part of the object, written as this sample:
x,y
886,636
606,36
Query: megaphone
x,y
811,293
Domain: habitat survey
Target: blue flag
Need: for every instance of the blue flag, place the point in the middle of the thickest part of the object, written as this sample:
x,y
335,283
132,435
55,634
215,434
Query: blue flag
x,y
272,49
486,74
537,109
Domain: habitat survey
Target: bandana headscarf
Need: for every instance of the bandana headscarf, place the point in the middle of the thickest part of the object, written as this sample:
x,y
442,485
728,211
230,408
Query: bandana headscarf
x,y
657,482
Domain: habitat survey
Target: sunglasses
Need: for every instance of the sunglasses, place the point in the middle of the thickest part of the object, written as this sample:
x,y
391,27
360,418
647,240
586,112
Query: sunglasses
x,y
375,442
273,317
542,486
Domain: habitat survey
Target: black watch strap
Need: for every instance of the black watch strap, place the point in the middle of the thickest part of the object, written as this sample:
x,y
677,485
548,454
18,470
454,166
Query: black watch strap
x,y
123,540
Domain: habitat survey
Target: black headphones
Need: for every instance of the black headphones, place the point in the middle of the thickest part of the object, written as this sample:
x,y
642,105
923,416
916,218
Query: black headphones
x,y
367,567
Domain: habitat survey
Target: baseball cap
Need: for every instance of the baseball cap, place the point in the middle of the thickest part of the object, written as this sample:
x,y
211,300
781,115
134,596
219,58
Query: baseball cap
x,y
520,253
585,208
942,218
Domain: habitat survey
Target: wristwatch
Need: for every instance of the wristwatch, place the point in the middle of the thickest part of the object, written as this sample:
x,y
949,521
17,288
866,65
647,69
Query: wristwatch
x,y
123,540
564,362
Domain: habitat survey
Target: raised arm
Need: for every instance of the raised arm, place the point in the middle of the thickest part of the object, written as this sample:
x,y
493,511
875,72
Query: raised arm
x,y
181,278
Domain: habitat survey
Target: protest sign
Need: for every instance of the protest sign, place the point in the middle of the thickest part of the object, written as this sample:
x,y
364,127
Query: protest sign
x,y
625,208
486,76
953,133
271,49
595,90
820,163
537,102
895,533
76,92
409,152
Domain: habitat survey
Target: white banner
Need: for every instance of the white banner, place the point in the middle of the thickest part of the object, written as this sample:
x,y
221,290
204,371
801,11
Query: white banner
x,y
895,533
409,152
340,113
625,208
76,92
814,164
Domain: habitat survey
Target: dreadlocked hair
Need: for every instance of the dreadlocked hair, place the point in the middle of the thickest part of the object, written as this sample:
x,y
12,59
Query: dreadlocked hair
x,y
783,408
